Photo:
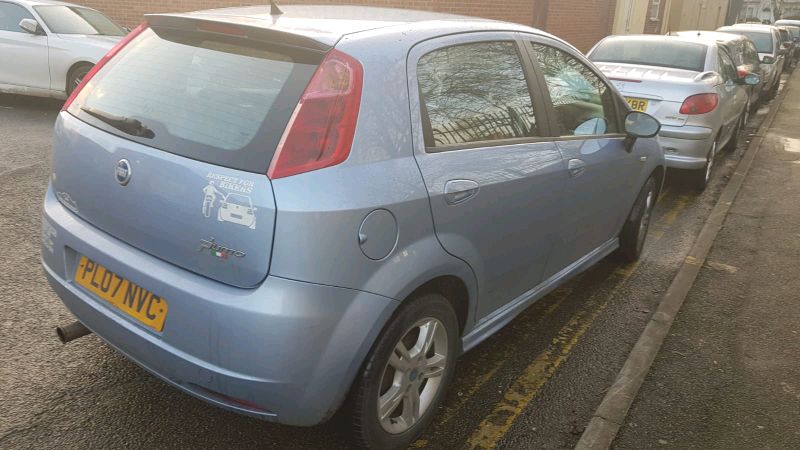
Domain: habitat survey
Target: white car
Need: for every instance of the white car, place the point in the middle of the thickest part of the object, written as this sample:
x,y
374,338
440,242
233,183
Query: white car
x,y
47,47
237,208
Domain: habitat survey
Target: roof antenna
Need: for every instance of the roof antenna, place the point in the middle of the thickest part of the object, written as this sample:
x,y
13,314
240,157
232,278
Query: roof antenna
x,y
273,9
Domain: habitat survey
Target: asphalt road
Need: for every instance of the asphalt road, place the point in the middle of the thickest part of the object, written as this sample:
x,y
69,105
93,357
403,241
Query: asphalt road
x,y
533,385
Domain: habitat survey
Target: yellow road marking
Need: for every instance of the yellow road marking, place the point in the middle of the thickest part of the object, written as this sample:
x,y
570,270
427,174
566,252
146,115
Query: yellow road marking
x,y
539,371
452,409
670,216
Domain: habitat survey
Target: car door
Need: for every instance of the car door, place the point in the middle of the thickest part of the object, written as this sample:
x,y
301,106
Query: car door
x,y
588,129
25,58
733,96
495,180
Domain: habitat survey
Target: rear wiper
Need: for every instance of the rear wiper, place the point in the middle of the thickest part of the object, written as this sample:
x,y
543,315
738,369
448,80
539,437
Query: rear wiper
x,y
124,124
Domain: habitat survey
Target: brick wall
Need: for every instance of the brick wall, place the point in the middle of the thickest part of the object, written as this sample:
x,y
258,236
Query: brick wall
x,y
582,22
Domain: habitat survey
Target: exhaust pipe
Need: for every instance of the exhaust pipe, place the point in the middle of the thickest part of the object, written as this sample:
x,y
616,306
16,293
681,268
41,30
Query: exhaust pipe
x,y
72,331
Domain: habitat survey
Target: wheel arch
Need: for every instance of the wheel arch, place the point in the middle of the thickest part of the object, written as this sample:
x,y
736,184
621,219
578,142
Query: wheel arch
x,y
73,68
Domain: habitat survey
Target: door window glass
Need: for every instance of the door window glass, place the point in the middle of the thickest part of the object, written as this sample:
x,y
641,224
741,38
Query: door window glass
x,y
583,103
473,93
750,53
11,15
727,68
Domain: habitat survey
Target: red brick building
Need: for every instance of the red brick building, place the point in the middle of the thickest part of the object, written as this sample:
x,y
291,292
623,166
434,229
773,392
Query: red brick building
x,y
581,22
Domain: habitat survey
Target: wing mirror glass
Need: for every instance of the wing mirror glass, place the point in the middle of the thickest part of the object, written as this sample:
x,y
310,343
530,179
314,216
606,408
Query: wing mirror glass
x,y
641,125
31,26
751,79
768,59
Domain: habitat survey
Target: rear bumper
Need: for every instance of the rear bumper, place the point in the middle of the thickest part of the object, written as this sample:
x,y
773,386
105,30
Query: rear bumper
x,y
686,147
286,351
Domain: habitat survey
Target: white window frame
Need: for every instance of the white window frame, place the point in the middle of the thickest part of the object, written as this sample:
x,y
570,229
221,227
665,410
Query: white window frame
x,y
654,9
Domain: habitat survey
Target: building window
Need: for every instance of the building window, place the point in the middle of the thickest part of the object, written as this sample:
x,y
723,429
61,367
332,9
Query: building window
x,y
655,6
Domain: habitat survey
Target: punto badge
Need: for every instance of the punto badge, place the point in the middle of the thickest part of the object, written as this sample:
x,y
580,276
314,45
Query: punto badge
x,y
123,172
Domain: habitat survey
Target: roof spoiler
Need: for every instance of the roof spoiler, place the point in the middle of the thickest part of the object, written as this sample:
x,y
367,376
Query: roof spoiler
x,y
253,30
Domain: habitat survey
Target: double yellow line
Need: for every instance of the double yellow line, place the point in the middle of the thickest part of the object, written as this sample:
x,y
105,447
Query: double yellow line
x,y
525,388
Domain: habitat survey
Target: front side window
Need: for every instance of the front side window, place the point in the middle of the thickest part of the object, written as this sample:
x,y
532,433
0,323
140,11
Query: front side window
x,y
11,15
727,68
74,20
473,93
750,53
584,104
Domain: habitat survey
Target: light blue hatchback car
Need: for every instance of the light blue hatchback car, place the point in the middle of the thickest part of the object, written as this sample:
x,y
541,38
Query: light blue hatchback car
x,y
278,211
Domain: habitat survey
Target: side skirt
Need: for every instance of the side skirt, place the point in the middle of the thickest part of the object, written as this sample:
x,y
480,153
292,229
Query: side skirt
x,y
502,316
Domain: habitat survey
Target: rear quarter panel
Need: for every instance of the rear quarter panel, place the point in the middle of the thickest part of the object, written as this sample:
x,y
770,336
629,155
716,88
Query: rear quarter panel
x,y
320,213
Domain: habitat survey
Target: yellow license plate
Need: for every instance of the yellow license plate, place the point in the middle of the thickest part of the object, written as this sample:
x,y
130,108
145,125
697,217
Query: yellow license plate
x,y
637,104
132,299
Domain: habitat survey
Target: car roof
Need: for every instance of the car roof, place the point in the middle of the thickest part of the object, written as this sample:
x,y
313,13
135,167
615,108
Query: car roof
x,y
47,3
717,36
749,26
661,38
329,23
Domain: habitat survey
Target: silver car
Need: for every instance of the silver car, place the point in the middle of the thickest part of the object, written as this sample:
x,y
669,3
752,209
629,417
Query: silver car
x,y
47,47
691,85
405,184
768,42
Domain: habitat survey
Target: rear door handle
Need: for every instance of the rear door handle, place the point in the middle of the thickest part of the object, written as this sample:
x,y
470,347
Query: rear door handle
x,y
576,167
459,191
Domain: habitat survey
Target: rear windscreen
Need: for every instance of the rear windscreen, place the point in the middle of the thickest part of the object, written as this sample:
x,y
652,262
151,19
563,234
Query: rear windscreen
x,y
763,40
213,98
648,52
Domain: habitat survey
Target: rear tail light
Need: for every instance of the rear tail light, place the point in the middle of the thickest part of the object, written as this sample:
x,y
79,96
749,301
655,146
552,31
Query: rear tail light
x,y
320,132
111,53
699,104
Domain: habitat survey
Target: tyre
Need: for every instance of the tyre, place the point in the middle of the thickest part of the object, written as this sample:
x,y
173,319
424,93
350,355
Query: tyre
x,y
634,232
76,76
404,378
701,177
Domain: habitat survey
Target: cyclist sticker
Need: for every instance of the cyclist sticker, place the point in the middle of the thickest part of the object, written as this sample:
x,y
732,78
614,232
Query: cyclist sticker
x,y
227,196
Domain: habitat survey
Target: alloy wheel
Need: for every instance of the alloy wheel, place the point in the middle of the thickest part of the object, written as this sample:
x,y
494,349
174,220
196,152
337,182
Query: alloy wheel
x,y
413,375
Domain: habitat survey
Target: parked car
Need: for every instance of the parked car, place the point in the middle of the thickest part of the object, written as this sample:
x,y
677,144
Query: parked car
x,y
745,56
768,42
794,31
787,44
691,85
385,244
53,45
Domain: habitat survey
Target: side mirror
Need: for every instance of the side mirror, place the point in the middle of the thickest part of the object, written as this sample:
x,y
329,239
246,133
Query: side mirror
x,y
641,125
31,26
751,79
768,59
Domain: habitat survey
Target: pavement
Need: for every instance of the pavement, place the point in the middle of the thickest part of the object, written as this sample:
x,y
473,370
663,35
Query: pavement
x,y
728,374
535,384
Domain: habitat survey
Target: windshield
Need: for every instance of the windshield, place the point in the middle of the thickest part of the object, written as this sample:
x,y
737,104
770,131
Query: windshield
x,y
649,52
74,20
215,99
762,40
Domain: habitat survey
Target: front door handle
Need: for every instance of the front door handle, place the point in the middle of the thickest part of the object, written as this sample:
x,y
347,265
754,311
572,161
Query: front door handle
x,y
576,167
459,191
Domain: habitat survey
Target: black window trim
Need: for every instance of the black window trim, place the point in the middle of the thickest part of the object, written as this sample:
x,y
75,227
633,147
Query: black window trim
x,y
555,136
536,94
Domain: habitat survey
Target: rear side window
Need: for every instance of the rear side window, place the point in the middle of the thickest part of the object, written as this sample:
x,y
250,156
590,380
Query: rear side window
x,y
207,97
649,52
583,102
11,15
475,93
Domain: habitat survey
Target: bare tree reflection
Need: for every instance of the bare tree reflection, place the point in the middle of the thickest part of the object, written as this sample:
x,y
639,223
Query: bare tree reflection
x,y
580,97
476,92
